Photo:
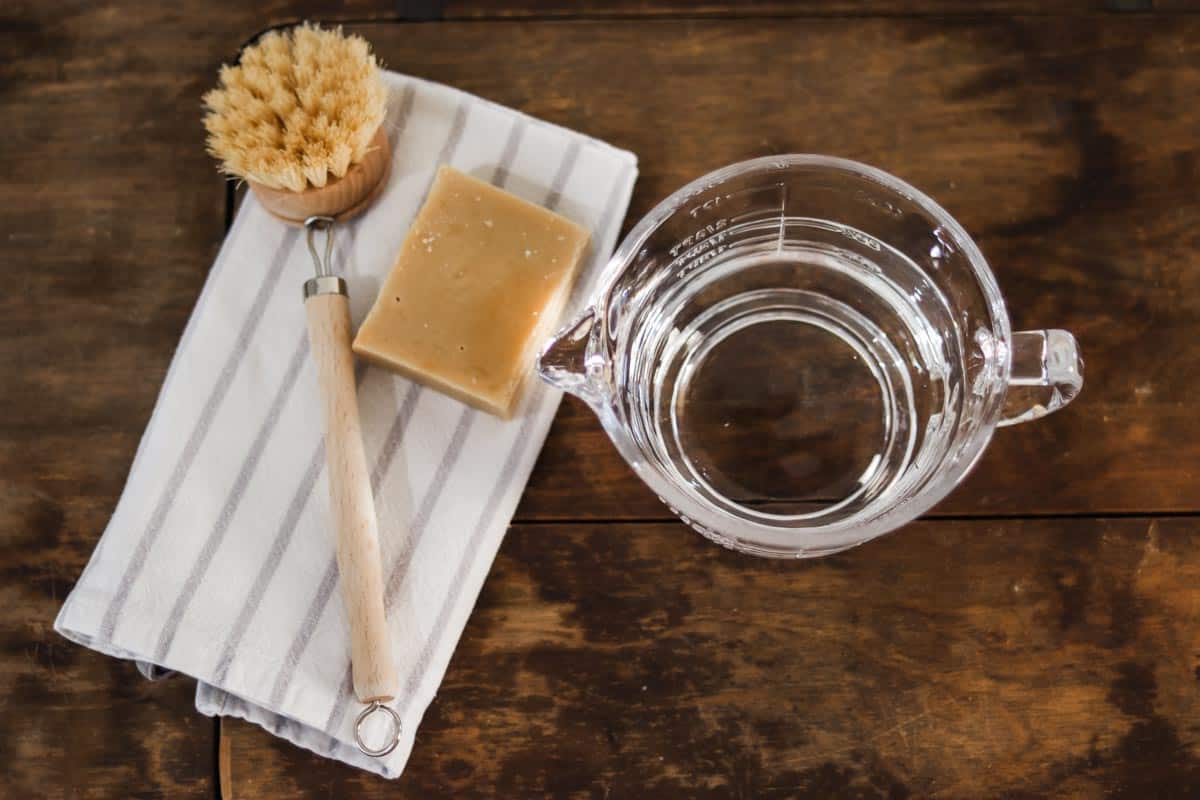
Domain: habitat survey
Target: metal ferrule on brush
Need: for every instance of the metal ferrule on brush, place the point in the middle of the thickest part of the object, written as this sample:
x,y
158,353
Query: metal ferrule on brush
x,y
324,284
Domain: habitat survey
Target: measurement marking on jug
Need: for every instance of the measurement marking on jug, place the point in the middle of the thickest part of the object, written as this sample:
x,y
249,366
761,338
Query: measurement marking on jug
x,y
699,235
782,217
860,237
703,258
696,250
707,205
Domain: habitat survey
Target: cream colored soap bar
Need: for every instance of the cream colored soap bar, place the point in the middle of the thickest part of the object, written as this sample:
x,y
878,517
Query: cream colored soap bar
x,y
478,286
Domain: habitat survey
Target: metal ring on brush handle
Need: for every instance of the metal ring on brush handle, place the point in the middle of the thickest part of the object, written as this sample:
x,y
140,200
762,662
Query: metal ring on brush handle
x,y
393,738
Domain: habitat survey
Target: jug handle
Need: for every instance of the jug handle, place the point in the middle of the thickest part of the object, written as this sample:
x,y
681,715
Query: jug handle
x,y
1047,373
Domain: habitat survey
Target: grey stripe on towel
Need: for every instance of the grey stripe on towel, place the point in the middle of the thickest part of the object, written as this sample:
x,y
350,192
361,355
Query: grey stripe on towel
x,y
232,501
188,331
166,501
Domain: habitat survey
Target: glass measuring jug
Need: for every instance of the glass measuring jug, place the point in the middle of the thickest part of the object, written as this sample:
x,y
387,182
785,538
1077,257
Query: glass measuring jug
x,y
800,353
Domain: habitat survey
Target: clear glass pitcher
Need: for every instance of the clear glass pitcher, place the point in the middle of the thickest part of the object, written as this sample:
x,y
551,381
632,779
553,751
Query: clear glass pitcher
x,y
800,353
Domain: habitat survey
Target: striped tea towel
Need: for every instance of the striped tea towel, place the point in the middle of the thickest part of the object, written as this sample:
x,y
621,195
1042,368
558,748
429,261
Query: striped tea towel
x,y
218,561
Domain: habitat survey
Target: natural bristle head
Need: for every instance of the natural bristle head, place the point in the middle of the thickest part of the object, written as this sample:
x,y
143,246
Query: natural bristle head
x,y
299,108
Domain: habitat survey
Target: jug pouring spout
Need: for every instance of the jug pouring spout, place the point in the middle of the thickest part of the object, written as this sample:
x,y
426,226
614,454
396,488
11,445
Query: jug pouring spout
x,y
574,361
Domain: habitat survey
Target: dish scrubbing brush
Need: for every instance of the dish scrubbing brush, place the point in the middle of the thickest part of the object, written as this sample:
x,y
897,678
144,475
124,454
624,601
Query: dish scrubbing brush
x,y
300,119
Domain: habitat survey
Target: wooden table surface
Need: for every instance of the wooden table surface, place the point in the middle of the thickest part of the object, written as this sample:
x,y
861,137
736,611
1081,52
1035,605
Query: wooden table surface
x,y
1038,635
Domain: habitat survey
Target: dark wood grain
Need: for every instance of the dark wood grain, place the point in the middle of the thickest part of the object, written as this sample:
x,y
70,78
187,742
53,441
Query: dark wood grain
x,y
73,723
467,9
951,660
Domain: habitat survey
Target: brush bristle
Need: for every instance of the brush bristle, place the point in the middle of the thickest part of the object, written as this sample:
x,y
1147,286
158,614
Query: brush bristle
x,y
300,107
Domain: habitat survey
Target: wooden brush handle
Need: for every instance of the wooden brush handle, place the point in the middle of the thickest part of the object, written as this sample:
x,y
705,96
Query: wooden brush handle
x,y
350,495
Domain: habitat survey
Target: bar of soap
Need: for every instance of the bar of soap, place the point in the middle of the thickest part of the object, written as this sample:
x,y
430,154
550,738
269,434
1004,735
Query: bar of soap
x,y
478,286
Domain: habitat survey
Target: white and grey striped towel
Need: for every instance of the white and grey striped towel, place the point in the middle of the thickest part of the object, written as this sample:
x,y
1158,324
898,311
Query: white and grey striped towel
x,y
218,561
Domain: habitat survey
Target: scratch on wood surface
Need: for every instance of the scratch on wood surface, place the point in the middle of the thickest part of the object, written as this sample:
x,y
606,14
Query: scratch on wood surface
x,y
1150,548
